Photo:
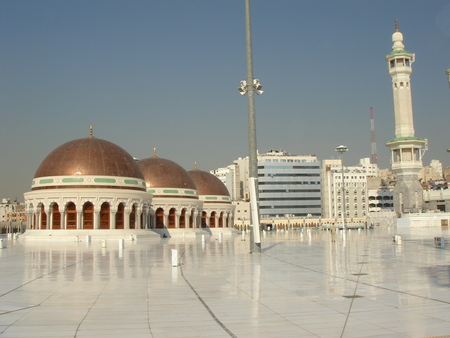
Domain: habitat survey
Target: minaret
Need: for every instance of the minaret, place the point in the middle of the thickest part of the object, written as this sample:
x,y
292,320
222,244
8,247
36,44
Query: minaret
x,y
406,149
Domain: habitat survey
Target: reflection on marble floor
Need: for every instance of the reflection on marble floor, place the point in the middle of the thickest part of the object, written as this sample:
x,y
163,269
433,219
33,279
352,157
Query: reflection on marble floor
x,y
301,285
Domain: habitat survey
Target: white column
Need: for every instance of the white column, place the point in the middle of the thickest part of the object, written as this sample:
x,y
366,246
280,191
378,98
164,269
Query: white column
x,y
79,218
152,219
96,218
177,219
126,221
38,219
138,218
63,220
112,219
49,219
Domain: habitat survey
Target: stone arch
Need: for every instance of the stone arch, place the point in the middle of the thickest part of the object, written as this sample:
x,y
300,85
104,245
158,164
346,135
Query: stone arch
x,y
159,218
43,219
212,220
183,218
172,216
88,216
56,216
191,218
71,214
203,220
105,216
120,216
132,217
221,220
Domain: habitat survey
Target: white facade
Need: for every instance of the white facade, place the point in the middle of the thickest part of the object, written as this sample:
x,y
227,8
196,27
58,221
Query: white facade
x,y
370,168
230,176
354,194
288,184
437,166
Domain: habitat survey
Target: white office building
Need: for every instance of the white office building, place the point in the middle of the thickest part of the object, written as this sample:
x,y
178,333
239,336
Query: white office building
x,y
352,200
289,185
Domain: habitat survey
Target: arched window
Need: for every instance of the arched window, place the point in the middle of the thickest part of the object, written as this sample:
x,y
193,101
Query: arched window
x,y
133,217
71,211
183,219
56,217
212,220
159,218
43,218
191,219
88,215
105,215
120,216
172,213
203,219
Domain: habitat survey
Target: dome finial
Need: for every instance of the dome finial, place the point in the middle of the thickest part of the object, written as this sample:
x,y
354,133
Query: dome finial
x,y
154,152
91,131
195,165
396,24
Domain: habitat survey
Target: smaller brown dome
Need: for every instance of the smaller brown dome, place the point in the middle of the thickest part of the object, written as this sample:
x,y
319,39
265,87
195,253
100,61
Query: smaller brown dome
x,y
162,173
208,184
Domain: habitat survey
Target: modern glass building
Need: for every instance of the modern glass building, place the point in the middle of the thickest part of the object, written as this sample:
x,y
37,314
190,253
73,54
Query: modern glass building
x,y
289,185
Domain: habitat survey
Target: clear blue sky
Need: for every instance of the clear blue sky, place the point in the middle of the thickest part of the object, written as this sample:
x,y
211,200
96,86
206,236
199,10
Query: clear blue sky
x,y
165,74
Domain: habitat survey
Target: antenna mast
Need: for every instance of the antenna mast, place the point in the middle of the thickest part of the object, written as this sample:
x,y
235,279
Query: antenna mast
x,y
374,158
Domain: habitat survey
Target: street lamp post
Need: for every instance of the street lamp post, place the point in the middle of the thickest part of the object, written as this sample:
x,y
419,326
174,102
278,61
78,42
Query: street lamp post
x,y
249,87
341,150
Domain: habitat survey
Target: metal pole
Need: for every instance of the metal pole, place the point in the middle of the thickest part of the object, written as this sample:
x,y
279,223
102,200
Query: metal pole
x,y
255,242
343,193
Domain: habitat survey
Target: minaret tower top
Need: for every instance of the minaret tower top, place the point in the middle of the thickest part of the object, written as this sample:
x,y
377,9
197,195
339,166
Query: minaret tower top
x,y
397,39
400,68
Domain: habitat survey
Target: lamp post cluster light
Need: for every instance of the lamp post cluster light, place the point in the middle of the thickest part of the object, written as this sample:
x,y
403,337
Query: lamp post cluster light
x,y
341,150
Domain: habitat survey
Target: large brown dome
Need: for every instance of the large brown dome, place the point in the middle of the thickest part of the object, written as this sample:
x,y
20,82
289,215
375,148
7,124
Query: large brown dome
x,y
162,173
208,184
89,156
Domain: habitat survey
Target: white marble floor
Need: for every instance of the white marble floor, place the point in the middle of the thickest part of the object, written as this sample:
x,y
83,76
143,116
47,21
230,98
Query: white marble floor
x,y
301,285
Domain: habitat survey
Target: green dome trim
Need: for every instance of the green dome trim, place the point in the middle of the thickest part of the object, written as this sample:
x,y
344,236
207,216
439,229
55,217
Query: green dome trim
x,y
407,138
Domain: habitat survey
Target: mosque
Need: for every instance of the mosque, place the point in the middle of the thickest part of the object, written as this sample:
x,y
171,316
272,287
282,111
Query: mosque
x,y
93,186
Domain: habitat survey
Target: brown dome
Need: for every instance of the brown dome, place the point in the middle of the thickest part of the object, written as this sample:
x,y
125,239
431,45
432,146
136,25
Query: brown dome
x,y
162,173
89,156
208,184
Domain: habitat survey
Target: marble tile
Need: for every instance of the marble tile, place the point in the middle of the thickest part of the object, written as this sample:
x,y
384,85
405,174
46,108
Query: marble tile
x,y
294,288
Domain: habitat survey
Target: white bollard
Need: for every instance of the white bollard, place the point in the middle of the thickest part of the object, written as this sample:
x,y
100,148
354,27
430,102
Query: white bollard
x,y
174,257
397,239
220,237
103,243
121,243
88,238
439,242
131,238
2,244
77,239
243,236
203,238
